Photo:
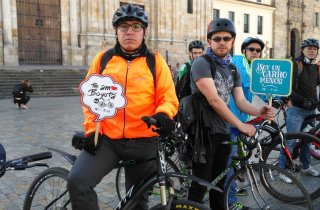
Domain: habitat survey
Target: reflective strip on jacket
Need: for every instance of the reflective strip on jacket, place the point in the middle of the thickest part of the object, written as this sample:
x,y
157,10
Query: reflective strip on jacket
x,y
142,98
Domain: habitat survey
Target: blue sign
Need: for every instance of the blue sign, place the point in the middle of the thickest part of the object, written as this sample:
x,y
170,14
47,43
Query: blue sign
x,y
271,77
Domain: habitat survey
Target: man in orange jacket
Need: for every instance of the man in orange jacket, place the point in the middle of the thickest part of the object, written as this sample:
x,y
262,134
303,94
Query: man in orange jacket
x,y
125,136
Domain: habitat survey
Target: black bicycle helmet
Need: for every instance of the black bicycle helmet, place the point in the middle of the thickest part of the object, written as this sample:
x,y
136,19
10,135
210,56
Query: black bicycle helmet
x,y
196,44
130,12
309,42
250,40
221,24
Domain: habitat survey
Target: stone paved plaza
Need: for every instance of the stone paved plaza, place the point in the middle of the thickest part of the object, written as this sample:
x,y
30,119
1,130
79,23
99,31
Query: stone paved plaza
x,y
48,122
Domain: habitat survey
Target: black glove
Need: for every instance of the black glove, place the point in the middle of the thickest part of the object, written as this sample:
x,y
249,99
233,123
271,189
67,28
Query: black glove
x,y
88,144
165,124
310,104
78,139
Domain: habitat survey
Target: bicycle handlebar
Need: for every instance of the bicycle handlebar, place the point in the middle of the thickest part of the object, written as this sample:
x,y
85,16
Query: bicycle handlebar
x,y
254,141
22,163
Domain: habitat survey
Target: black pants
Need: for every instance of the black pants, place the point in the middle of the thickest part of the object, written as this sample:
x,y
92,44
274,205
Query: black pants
x,y
23,100
89,169
217,158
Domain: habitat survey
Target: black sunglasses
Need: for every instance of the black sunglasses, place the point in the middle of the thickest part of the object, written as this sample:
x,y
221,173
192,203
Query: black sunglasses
x,y
219,38
251,49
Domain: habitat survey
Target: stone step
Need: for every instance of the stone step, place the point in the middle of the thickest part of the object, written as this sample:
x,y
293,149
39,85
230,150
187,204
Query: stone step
x,y
46,83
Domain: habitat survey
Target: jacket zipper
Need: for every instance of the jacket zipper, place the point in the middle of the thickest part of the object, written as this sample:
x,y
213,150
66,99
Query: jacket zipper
x,y
125,93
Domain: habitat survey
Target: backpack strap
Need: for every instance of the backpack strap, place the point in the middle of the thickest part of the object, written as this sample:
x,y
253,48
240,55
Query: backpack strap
x,y
298,73
212,65
188,66
106,57
150,57
233,70
151,62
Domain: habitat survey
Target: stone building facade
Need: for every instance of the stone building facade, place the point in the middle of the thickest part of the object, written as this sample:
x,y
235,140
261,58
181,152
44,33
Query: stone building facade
x,y
71,32
295,20
86,28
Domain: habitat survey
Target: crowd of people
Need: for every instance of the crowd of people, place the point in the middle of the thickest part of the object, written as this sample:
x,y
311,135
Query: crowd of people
x,y
220,81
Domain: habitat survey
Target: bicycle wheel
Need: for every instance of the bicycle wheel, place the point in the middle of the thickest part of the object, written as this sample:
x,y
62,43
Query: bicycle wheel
x,y
45,188
257,194
311,183
155,191
315,150
182,204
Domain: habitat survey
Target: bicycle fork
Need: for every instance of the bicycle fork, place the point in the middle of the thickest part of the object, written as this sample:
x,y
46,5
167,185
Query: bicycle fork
x,y
254,184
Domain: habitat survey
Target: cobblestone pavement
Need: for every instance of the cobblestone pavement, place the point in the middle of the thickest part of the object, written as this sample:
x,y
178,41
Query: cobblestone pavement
x,y
48,122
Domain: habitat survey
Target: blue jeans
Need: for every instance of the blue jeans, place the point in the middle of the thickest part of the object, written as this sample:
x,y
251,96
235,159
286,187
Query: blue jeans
x,y
294,120
232,198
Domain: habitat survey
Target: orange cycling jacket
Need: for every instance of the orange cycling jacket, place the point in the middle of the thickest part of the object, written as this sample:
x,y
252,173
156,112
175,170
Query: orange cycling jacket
x,y
144,98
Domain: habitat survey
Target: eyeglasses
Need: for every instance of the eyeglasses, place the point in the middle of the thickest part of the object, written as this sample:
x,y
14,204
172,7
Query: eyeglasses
x,y
251,49
136,27
219,38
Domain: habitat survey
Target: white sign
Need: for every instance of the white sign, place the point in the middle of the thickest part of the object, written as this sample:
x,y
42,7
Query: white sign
x,y
102,95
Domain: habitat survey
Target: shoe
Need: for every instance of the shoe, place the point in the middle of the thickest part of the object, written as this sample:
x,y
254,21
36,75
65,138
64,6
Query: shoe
x,y
297,163
241,191
24,106
310,171
285,178
238,206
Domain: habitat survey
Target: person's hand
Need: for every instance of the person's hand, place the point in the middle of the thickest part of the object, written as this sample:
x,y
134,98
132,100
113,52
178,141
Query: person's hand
x,y
247,129
89,146
28,83
166,125
266,112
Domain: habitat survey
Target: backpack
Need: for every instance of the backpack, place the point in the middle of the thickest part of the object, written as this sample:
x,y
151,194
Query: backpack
x,y
151,61
183,84
186,112
17,91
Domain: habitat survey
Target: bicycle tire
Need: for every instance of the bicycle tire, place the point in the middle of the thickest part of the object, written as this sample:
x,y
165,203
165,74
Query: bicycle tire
x,y
315,151
120,177
51,180
120,186
266,200
178,204
311,183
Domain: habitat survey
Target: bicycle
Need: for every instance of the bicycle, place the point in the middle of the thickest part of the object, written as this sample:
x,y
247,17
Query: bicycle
x,y
269,188
303,141
175,147
308,126
21,163
55,180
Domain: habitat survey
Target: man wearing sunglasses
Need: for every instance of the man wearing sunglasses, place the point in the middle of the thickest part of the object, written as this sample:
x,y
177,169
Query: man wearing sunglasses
x,y
125,136
251,48
211,156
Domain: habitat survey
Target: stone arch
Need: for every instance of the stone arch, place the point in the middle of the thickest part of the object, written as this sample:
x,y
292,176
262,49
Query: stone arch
x,y
294,43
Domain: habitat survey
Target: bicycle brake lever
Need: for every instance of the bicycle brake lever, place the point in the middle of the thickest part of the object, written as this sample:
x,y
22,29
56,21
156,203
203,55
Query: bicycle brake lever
x,y
39,164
